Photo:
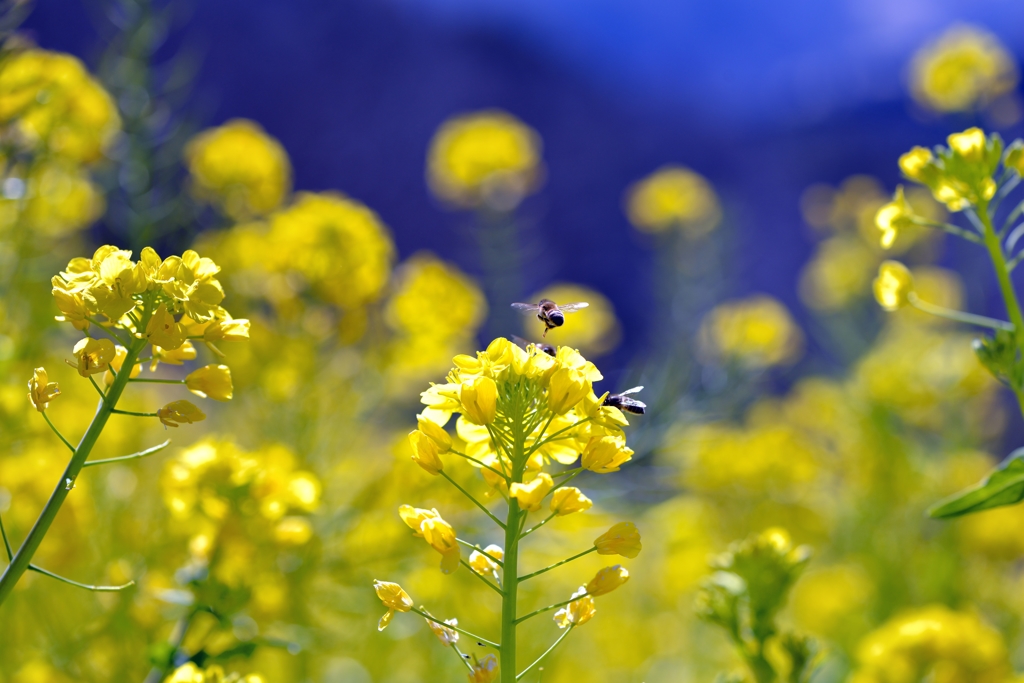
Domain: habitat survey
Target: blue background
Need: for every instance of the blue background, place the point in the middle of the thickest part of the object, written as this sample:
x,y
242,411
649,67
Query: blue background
x,y
762,98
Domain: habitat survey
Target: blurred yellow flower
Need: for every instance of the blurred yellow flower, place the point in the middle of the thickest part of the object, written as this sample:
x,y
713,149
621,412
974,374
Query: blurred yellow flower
x,y
484,670
240,168
179,412
607,580
673,197
970,144
893,285
894,217
488,158
56,105
915,162
53,199
622,539
394,598
211,381
577,612
830,600
293,531
964,69
934,643
569,499
837,274
41,390
236,329
532,493
482,563
757,332
447,636
92,356
594,330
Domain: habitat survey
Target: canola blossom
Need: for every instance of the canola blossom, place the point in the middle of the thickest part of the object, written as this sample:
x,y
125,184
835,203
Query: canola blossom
x,y
526,417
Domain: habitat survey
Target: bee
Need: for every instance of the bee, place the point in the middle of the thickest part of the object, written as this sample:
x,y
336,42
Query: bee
x,y
623,402
549,313
546,348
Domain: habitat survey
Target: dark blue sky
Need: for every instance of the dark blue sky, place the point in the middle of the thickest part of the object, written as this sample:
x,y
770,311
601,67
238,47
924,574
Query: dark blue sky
x,y
763,98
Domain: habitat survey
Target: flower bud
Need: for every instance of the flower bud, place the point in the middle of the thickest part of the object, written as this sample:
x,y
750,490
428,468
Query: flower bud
x,y
211,381
969,144
437,434
479,398
227,330
622,539
914,163
41,390
179,412
605,454
531,494
394,598
425,452
893,217
568,500
566,388
607,580
893,285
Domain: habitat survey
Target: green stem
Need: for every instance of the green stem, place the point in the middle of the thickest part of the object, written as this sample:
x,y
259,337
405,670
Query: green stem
x,y
542,610
951,229
23,558
99,391
482,641
557,564
480,576
97,589
995,252
546,652
958,316
7,544
133,456
475,501
57,432
462,657
510,582
156,381
133,414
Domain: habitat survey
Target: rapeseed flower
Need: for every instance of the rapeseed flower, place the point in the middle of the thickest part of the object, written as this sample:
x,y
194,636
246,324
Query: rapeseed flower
x,y
439,535
92,356
673,197
569,499
757,332
532,493
211,381
622,539
484,670
893,217
487,158
893,285
41,390
607,580
605,454
482,564
394,598
964,69
180,412
577,612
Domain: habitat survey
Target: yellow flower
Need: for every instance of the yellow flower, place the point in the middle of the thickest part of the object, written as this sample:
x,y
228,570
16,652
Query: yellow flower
x,y
915,163
531,494
483,564
1014,158
893,217
436,434
568,500
115,365
963,69
484,670
577,612
240,168
180,412
622,539
486,158
969,144
176,357
439,534
758,332
56,198
41,390
607,580
447,636
227,330
93,356
71,304
425,452
479,397
294,531
394,598
893,285
211,381
566,388
673,197
605,454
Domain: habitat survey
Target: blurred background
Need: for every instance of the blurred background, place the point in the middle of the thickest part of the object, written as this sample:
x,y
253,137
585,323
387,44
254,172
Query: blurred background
x,y
379,180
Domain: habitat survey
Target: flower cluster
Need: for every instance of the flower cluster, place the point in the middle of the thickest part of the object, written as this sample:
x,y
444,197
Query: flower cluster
x,y
757,332
521,411
240,168
485,159
673,197
190,673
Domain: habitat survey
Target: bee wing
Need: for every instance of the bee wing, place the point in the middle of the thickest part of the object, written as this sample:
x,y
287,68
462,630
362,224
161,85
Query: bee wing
x,y
630,391
526,307
572,308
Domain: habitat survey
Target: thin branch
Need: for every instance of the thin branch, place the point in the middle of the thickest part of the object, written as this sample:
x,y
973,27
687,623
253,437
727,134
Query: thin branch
x,y
102,394
57,432
958,316
7,544
951,229
463,657
553,436
98,589
470,496
557,564
133,456
483,552
481,463
482,641
481,577
133,414
538,525
550,607
1001,193
110,332
156,381
546,652
1017,211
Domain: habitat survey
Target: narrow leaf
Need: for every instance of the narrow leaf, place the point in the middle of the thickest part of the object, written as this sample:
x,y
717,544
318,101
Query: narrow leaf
x,y
1004,486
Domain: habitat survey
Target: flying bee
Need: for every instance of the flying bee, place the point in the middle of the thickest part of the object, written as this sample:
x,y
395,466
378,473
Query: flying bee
x,y
623,402
549,313
546,348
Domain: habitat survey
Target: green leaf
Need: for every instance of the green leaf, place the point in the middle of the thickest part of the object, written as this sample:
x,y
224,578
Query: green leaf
x,y
1004,486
